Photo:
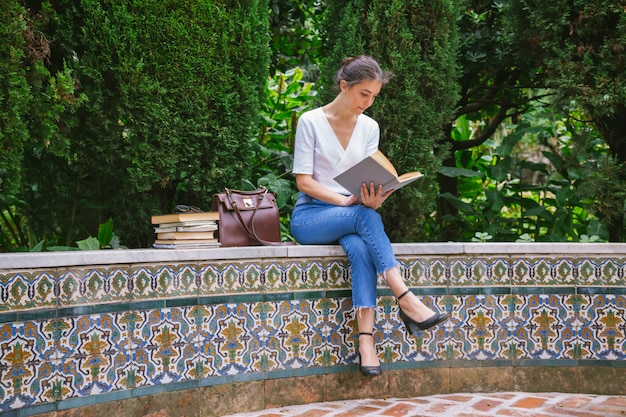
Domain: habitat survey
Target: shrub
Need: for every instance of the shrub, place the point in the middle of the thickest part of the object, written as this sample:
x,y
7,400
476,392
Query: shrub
x,y
174,91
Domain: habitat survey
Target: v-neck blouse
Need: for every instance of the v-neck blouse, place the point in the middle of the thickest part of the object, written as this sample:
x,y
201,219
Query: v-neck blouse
x,y
318,151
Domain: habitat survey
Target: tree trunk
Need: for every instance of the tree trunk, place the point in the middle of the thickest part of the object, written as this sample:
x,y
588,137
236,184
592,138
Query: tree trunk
x,y
612,129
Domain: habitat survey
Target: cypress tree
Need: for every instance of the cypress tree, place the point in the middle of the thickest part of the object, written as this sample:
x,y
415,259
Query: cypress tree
x,y
173,95
14,97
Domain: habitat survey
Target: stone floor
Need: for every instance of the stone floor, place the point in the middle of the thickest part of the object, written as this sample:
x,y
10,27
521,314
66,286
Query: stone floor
x,y
513,404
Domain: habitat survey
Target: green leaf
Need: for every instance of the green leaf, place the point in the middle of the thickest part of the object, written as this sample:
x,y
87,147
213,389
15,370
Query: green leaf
x,y
61,248
596,228
279,186
495,199
38,247
555,158
501,170
535,166
456,202
91,243
511,140
105,233
459,172
462,129
563,196
540,212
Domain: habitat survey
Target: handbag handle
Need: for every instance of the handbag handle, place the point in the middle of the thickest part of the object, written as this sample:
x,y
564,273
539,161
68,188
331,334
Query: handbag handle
x,y
250,229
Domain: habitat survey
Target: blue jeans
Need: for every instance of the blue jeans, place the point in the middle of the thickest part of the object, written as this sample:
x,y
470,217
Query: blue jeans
x,y
360,232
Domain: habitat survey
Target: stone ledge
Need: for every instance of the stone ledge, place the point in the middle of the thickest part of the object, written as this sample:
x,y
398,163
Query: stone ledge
x,y
29,260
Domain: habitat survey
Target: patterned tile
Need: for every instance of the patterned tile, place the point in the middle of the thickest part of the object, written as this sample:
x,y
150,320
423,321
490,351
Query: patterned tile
x,y
24,290
305,274
92,330
600,272
282,276
232,277
79,286
427,272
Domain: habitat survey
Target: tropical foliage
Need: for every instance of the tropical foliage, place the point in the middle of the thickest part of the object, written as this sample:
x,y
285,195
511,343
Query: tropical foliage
x,y
114,111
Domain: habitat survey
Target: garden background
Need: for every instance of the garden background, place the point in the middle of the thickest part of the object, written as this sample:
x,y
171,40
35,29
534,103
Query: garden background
x,y
114,110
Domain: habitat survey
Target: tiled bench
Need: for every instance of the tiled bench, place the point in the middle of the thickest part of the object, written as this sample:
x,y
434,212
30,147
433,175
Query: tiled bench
x,y
217,331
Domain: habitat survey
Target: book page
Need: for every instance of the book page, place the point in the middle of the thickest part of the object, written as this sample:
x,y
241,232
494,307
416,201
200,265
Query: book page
x,y
410,175
379,157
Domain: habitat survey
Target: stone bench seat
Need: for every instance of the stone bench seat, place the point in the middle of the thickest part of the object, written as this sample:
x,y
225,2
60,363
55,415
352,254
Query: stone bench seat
x,y
209,332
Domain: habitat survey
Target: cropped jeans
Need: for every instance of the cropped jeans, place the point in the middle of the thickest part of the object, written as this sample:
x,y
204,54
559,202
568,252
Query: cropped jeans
x,y
360,232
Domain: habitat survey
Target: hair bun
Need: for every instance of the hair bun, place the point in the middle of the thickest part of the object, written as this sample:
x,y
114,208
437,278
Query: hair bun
x,y
355,69
347,60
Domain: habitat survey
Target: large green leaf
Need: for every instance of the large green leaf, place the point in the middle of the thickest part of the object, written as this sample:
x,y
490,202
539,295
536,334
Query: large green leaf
x,y
453,172
91,243
456,202
105,233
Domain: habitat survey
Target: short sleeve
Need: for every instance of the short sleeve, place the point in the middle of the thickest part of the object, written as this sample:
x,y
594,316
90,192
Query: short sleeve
x,y
304,152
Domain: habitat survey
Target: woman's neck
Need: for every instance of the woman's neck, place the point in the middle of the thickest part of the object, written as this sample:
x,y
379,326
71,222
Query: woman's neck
x,y
338,112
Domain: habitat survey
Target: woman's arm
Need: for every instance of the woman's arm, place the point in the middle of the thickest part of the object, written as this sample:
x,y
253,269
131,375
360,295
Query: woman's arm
x,y
371,196
311,187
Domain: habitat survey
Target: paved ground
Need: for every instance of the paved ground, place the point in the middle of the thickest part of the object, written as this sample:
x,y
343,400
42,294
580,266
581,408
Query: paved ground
x,y
512,404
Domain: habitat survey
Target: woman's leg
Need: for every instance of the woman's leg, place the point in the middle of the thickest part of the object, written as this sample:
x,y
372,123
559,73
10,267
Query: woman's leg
x,y
364,280
362,270
410,304
321,223
318,223
367,350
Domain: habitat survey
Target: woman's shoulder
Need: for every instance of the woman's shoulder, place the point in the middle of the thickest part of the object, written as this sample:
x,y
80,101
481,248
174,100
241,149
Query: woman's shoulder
x,y
314,114
367,122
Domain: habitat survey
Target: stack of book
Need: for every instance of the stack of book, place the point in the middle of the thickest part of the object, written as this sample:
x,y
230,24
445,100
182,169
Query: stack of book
x,y
186,230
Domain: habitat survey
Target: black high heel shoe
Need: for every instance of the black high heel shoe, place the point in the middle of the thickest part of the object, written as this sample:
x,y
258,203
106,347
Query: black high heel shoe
x,y
369,370
414,326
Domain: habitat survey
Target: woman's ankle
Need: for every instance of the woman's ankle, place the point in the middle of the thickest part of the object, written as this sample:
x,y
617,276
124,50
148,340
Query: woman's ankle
x,y
367,350
415,308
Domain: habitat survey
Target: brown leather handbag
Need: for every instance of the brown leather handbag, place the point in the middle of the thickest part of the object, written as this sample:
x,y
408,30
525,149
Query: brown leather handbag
x,y
248,218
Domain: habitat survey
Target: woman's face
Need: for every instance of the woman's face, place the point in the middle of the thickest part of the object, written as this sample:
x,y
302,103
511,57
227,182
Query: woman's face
x,y
360,96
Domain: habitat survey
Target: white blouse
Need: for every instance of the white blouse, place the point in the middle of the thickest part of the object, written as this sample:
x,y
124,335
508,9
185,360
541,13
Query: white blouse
x,y
319,153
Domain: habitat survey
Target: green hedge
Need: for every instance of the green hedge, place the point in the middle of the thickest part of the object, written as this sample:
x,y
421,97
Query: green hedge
x,y
172,92
14,97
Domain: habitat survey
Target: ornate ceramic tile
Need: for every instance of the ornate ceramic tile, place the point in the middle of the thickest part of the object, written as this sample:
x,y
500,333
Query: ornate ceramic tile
x,y
99,330
79,286
24,290
598,272
231,277
282,276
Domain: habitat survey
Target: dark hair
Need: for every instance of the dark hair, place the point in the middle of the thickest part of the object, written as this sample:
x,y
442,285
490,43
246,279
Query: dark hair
x,y
360,68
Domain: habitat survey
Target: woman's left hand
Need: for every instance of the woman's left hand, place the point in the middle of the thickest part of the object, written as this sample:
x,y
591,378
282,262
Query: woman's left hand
x,y
373,196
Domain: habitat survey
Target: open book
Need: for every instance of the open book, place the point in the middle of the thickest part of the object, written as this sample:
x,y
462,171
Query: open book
x,y
378,169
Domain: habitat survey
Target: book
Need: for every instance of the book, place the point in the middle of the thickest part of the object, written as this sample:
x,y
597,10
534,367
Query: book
x,y
171,244
187,235
187,242
190,223
185,217
177,227
378,169
190,246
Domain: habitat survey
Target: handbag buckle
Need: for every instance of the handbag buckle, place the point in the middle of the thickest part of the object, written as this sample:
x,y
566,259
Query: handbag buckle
x,y
248,203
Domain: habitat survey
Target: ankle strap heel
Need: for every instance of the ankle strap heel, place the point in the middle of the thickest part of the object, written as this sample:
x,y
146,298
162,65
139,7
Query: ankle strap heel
x,y
368,370
402,295
413,326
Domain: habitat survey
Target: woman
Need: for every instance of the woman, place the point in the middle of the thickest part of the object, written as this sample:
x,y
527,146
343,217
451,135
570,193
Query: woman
x,y
329,140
